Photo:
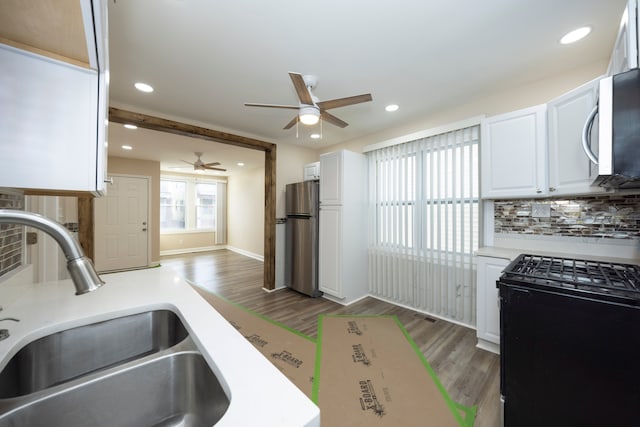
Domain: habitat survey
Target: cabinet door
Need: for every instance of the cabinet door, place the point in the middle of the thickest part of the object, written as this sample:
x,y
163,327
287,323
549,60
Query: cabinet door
x,y
48,128
330,251
311,171
514,155
331,178
625,50
569,166
488,309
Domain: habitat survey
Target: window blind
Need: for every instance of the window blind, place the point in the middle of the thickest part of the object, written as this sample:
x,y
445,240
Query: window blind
x,y
424,215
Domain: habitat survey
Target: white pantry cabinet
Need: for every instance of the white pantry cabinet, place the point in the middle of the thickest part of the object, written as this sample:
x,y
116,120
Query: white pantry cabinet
x,y
342,275
514,154
488,308
53,110
569,166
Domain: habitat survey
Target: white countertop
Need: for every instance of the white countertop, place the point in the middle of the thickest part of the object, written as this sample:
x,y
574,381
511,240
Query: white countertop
x,y
259,394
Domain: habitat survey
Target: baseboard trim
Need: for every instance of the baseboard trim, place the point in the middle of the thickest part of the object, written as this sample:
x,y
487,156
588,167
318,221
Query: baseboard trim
x,y
270,291
408,307
246,253
192,250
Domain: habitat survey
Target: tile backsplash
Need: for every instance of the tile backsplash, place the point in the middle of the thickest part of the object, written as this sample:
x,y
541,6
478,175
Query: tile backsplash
x,y
10,235
608,216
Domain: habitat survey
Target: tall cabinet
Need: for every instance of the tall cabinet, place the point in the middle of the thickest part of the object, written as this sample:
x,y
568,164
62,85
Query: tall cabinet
x,y
343,232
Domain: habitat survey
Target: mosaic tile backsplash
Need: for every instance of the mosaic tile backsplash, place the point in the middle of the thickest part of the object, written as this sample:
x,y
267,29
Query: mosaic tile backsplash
x,y
10,234
610,216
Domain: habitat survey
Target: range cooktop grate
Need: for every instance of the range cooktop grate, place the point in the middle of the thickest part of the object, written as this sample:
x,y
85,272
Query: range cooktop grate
x,y
594,276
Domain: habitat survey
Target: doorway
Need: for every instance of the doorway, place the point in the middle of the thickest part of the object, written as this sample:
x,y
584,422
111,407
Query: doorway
x,y
121,224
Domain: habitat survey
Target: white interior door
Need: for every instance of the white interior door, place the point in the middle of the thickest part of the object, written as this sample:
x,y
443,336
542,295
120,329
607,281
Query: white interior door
x,y
121,224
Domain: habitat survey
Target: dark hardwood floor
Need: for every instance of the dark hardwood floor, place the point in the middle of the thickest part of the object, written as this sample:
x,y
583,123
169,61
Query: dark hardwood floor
x,y
470,375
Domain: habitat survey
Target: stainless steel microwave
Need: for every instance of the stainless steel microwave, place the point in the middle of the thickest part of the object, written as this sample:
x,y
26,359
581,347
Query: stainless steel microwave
x,y
615,135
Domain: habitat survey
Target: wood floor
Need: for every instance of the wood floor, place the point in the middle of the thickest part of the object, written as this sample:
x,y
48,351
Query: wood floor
x,y
470,375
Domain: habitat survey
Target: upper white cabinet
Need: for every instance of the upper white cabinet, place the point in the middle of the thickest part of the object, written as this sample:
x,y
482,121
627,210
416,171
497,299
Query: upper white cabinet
x,y
514,154
331,180
53,101
625,51
311,171
569,166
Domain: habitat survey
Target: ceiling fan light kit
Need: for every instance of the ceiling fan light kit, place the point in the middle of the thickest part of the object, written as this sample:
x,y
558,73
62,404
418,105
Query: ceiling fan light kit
x,y
310,109
309,115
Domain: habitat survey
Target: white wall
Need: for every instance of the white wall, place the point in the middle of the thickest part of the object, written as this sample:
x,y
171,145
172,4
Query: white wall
x,y
245,212
290,161
509,99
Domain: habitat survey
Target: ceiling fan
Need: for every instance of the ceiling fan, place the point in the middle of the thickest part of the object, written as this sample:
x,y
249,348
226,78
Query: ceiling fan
x,y
310,109
200,165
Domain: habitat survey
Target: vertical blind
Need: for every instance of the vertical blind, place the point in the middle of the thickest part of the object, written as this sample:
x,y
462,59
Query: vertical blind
x,y
424,210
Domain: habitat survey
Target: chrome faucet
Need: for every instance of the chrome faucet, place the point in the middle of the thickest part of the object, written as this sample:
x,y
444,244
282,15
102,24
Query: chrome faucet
x,y
81,269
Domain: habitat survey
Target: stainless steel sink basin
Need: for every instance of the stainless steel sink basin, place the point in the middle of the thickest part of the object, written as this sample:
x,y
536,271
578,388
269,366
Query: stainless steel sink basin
x,y
168,390
71,353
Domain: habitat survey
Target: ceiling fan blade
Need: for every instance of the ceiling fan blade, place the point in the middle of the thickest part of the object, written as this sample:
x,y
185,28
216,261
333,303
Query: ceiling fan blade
x,y
189,163
291,123
330,118
211,164
343,102
301,88
251,104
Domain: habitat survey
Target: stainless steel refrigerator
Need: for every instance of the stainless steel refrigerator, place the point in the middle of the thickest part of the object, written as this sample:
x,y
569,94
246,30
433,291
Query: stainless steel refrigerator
x,y
301,248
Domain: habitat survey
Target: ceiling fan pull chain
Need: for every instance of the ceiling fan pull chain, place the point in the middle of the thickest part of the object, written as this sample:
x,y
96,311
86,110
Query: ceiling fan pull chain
x,y
297,128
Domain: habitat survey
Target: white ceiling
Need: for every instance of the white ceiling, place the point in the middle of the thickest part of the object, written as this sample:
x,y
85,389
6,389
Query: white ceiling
x,y
206,58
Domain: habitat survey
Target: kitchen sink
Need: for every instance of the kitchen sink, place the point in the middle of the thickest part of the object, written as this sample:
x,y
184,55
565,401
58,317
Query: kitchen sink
x,y
176,388
72,353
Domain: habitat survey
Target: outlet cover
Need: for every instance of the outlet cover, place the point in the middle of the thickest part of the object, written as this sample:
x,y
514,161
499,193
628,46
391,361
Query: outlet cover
x,y
540,210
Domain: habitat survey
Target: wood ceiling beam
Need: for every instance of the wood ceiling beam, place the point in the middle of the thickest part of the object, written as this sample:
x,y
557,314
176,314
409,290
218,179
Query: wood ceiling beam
x,y
177,128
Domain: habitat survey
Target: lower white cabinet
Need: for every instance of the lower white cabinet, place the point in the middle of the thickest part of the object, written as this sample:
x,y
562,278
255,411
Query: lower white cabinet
x,y
330,250
488,309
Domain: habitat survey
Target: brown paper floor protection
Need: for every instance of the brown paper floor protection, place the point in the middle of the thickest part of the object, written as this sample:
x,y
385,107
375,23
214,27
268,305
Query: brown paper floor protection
x,y
364,370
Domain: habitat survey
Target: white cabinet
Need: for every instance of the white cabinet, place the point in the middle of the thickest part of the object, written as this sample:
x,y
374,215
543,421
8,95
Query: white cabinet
x,y
488,309
514,154
53,115
311,171
330,249
342,275
569,166
331,180
625,50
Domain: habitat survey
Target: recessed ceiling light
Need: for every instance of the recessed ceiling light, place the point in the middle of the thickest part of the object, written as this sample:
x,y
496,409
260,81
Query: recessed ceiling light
x,y
240,164
127,147
575,35
314,136
143,87
128,126
391,107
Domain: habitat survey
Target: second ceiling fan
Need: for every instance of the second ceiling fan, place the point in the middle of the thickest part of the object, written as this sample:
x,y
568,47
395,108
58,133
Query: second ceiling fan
x,y
311,109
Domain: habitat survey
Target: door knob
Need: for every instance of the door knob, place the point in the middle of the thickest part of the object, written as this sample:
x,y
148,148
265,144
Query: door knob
x,y
144,229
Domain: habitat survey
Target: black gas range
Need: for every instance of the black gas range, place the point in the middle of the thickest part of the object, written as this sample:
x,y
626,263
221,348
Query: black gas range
x,y
569,342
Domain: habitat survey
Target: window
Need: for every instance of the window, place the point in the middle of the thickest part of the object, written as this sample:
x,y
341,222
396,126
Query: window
x,y
187,204
424,222
205,206
173,195
426,195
